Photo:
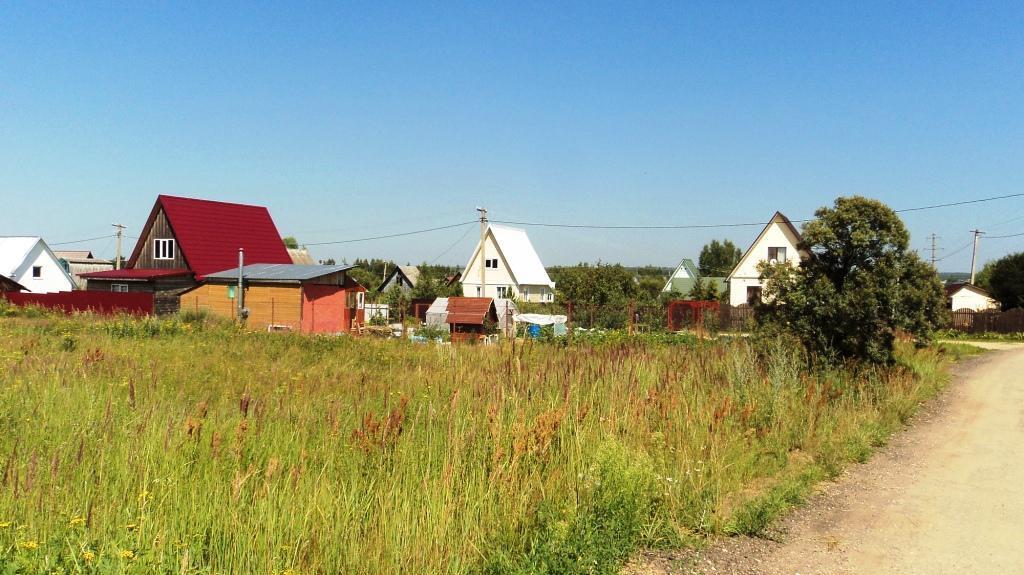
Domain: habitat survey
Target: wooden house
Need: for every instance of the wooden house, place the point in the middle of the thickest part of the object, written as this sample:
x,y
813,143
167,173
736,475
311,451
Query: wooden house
x,y
186,239
403,277
685,276
471,318
78,262
9,285
283,297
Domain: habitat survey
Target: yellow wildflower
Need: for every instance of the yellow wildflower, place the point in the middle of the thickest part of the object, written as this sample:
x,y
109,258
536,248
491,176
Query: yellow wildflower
x,y
127,554
5,524
132,526
88,556
143,496
76,521
29,545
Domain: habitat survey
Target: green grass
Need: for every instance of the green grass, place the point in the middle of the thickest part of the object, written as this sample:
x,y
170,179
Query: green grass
x,y
187,447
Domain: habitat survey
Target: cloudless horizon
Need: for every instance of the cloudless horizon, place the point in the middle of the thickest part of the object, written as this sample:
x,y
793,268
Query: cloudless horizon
x,y
350,120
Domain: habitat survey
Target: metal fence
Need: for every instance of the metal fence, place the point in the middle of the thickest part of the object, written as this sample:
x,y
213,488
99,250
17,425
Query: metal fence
x,y
967,321
110,303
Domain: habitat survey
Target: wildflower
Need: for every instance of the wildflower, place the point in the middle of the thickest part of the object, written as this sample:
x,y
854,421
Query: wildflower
x,y
5,524
132,526
88,556
76,521
127,554
143,496
29,545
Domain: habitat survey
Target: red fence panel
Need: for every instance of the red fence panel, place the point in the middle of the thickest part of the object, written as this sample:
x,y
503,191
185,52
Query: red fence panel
x,y
103,302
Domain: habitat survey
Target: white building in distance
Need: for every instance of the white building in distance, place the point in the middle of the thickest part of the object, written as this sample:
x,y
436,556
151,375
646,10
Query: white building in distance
x,y
30,262
504,264
776,243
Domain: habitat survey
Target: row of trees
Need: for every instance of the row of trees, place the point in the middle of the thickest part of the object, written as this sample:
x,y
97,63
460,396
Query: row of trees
x,y
1004,279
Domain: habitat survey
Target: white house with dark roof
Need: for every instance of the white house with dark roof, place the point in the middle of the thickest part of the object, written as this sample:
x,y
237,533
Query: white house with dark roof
x,y
404,277
964,295
29,261
777,243
505,264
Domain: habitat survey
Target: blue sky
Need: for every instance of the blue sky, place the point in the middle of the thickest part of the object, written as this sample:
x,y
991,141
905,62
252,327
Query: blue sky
x,y
350,120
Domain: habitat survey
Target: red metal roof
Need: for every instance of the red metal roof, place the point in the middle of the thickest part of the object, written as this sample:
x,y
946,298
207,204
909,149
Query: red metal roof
x,y
136,274
470,310
209,234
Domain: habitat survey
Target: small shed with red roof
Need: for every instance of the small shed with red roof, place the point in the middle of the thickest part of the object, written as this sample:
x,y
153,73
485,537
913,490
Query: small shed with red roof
x,y
471,318
186,239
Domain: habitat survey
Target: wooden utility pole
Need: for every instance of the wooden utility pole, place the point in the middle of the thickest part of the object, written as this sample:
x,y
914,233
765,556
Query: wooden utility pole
x,y
117,256
483,261
974,254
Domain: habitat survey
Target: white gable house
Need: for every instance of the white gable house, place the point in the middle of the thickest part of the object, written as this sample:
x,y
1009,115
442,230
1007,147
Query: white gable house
x,y
961,296
30,262
504,264
776,243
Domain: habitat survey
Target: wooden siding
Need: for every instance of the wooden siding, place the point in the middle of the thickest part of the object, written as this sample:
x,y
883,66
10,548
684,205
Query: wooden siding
x,y
269,305
160,230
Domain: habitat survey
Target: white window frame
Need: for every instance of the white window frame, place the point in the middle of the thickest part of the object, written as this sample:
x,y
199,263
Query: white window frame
x,y
778,250
502,292
119,288
163,249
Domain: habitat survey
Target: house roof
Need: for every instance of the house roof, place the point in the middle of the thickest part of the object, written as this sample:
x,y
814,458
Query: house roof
x,y
209,233
300,256
691,270
72,255
685,285
780,219
410,273
136,274
14,250
271,273
470,310
518,252
953,288
7,284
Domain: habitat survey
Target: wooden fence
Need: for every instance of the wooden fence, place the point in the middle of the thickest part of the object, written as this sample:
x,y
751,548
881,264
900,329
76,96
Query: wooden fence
x,y
968,321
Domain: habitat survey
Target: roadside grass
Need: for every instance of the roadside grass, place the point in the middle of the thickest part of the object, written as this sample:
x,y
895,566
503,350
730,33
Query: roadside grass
x,y
188,446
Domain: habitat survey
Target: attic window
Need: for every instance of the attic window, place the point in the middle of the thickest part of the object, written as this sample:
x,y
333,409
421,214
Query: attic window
x,y
37,271
776,254
163,249
491,263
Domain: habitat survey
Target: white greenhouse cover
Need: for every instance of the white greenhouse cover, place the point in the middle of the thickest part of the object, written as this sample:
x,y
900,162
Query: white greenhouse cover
x,y
540,318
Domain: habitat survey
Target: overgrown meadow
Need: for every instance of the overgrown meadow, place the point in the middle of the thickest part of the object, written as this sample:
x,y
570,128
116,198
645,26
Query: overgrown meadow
x,y
146,446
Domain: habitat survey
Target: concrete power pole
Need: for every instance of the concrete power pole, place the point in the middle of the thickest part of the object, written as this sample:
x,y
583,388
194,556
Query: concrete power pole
x,y
934,237
974,254
240,290
483,261
117,257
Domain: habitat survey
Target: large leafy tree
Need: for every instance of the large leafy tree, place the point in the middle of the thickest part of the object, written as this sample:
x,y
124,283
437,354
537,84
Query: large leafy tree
x,y
1005,280
859,285
718,258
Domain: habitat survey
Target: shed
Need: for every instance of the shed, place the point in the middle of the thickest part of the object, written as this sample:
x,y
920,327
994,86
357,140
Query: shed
x,y
437,313
469,317
284,297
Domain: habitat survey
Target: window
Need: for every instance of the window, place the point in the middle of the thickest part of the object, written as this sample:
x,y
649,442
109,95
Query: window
x,y
502,292
360,300
753,294
491,263
526,292
122,288
163,249
777,255
37,271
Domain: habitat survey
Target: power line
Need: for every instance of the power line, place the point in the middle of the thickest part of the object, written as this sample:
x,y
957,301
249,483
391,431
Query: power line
x,y
956,251
399,235
82,241
1006,236
735,225
451,247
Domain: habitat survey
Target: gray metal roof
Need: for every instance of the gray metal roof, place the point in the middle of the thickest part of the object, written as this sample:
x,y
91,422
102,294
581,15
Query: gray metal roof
x,y
279,272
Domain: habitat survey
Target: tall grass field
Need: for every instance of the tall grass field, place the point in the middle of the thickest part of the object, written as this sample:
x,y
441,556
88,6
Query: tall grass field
x,y
162,446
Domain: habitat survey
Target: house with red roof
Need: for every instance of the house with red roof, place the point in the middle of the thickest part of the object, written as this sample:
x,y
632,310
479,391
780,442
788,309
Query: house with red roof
x,y
186,239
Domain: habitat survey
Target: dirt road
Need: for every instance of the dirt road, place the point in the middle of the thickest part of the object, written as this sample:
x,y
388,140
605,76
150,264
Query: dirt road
x,y
947,496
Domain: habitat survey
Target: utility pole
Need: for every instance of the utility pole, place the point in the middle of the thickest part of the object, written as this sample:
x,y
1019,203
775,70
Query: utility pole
x,y
483,261
240,290
117,257
974,254
934,237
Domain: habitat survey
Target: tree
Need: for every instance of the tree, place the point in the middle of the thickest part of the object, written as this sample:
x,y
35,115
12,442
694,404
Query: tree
x,y
859,285
704,290
717,258
1006,280
290,242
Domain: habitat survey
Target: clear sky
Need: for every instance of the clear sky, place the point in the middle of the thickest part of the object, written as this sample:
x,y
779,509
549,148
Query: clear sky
x,y
350,120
